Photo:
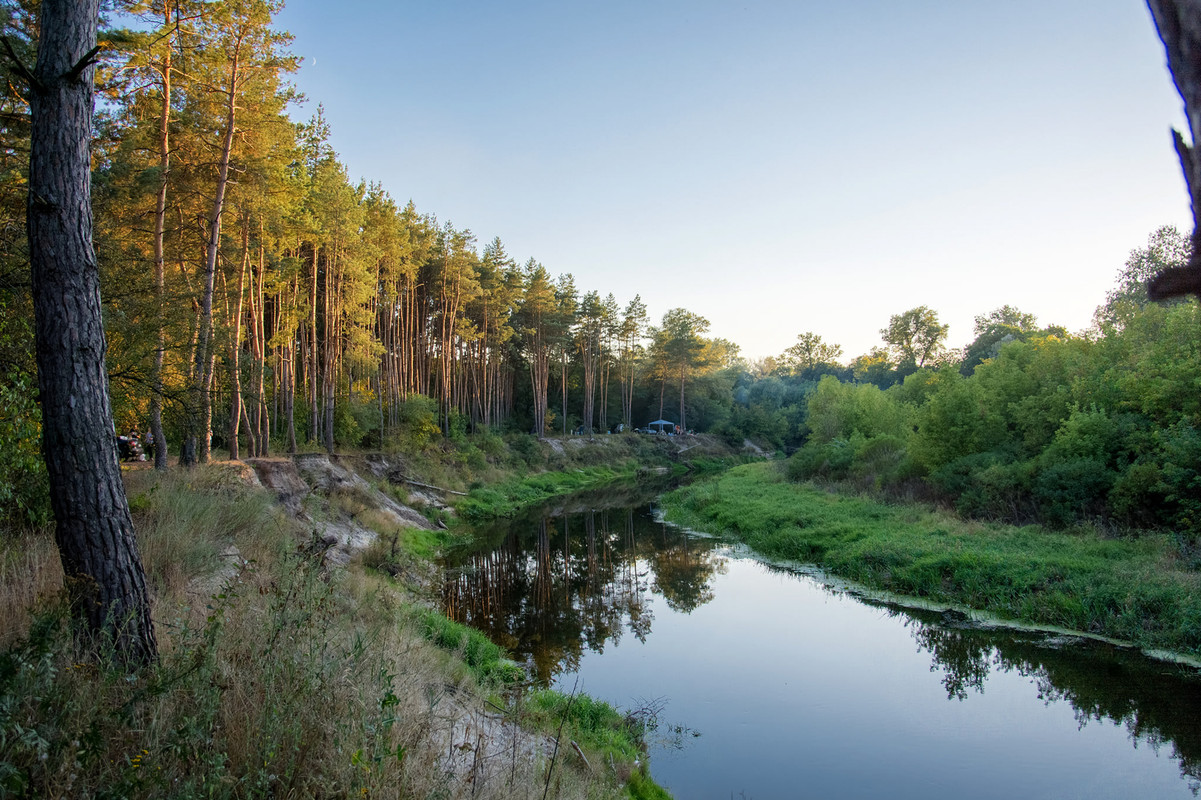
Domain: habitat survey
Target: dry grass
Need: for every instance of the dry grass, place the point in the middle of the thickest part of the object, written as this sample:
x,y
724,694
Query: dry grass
x,y
29,569
278,677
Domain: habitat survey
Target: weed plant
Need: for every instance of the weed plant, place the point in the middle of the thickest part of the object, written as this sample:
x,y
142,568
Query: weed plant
x,y
1139,590
602,732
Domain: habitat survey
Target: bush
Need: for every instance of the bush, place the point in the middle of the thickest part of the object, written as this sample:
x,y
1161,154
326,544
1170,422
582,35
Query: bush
x,y
418,428
1181,453
1068,490
1138,496
24,485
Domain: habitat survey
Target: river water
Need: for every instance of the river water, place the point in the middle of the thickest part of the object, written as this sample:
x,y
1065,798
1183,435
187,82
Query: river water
x,y
771,683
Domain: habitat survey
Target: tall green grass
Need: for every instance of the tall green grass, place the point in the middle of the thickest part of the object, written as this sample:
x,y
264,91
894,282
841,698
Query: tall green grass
x,y
506,499
269,694
1134,589
488,663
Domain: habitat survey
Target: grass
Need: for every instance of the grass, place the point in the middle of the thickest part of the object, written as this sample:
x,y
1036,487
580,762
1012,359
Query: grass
x,y
1132,589
278,676
593,724
488,663
510,497
603,734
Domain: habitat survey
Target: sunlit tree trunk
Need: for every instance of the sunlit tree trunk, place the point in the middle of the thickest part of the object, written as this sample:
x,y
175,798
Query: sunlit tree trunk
x,y
202,393
160,220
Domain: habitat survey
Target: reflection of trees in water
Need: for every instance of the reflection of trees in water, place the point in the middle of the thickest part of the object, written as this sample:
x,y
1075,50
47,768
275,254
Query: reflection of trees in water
x,y
683,573
1157,703
555,586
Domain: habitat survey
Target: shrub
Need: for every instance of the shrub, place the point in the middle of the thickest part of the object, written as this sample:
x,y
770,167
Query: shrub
x,y
1068,490
24,485
418,428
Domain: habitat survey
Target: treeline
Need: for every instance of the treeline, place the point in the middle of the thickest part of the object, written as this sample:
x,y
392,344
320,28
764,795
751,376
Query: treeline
x,y
1027,423
256,298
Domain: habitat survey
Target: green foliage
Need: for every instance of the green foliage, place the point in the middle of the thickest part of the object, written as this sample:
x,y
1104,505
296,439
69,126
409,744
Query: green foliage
x,y
1165,248
356,424
418,427
24,486
855,431
916,337
593,724
1138,590
1045,427
506,499
1067,490
487,662
641,787
1181,474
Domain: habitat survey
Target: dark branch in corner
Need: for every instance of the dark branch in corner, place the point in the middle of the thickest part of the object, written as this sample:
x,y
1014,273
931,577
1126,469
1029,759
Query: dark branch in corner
x,y
88,60
21,69
1178,23
1175,282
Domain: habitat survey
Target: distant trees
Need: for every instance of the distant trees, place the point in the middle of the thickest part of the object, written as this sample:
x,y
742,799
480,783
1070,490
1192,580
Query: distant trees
x,y
998,328
679,348
809,353
630,335
1166,249
1034,424
916,337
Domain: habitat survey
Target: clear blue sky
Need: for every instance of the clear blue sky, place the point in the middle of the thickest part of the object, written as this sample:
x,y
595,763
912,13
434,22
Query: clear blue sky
x,y
773,166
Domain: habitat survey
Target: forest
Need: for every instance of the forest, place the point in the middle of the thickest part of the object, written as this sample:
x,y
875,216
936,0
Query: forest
x,y
475,463
258,300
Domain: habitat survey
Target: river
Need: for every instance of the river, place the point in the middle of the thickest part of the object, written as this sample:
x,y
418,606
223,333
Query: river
x,y
770,682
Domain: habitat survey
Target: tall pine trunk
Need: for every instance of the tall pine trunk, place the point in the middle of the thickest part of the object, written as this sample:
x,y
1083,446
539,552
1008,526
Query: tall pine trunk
x,y
160,224
202,401
94,530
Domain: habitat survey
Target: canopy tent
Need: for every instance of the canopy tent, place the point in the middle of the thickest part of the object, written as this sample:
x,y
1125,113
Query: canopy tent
x,y
661,423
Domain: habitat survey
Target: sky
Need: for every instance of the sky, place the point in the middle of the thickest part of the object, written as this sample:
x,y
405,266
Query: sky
x,y
776,167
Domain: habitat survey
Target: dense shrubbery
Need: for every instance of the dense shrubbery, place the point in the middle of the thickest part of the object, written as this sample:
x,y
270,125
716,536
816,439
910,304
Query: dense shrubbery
x,y
1053,428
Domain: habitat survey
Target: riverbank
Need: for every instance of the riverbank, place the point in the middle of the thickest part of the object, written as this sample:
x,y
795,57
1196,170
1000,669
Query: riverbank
x,y
290,602
1142,590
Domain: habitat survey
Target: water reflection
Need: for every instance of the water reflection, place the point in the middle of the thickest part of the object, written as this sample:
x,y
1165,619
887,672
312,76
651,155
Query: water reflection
x,y
563,587
563,581
1156,702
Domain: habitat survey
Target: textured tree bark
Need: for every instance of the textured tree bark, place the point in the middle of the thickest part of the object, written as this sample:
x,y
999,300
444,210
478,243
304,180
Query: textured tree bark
x,y
1179,26
93,530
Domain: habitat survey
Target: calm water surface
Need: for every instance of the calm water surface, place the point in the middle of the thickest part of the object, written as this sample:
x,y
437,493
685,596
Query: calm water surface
x,y
774,685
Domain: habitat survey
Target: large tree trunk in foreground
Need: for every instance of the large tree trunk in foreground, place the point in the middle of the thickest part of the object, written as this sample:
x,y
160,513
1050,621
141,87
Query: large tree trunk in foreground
x,y
94,531
1179,26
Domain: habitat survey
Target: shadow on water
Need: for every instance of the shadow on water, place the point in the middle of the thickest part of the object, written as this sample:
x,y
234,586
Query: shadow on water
x,y
573,579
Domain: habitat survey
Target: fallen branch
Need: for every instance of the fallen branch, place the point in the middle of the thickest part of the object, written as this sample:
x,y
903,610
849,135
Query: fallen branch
x,y
580,753
412,482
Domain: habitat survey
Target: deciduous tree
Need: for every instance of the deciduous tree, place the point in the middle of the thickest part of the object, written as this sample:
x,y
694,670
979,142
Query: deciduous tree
x,y
915,336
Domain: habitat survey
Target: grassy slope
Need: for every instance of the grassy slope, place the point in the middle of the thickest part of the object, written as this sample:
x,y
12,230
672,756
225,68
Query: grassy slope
x,y
1136,590
293,680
